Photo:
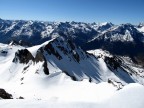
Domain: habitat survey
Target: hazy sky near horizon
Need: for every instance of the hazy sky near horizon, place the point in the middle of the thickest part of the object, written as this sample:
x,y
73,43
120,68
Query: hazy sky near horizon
x,y
115,11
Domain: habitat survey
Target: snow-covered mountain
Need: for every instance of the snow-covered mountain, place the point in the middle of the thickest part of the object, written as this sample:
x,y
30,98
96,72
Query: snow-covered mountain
x,y
102,26
37,32
59,71
140,27
118,39
59,56
44,61
123,40
125,33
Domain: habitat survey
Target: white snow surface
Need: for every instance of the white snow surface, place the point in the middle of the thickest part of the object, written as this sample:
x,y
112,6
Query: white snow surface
x,y
58,90
141,29
104,23
131,96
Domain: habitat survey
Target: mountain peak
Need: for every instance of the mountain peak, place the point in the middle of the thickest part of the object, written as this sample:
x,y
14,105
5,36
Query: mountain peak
x,y
104,23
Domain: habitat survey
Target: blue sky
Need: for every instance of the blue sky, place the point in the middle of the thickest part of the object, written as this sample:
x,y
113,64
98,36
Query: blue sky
x,y
115,11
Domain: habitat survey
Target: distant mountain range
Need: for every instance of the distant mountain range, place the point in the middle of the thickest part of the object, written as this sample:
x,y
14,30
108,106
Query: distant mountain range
x,y
38,32
123,39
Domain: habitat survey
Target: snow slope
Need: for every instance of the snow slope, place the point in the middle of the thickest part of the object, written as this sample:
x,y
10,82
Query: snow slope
x,y
74,79
60,56
122,64
131,96
141,29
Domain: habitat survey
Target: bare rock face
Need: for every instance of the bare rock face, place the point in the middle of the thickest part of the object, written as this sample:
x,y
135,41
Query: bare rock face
x,y
46,70
20,42
4,94
40,58
50,49
112,62
23,56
